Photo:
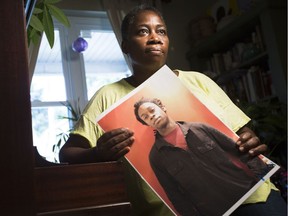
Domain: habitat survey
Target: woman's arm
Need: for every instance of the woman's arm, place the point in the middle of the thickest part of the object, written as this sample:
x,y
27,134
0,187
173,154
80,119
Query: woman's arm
x,y
110,146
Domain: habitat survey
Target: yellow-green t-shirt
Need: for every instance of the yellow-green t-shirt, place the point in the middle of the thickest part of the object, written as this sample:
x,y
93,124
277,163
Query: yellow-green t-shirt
x,y
144,200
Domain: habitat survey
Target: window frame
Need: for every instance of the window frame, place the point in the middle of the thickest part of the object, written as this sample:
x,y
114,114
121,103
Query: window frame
x,y
72,62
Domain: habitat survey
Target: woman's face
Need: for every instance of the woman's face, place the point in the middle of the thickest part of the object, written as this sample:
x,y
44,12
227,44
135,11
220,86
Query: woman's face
x,y
147,42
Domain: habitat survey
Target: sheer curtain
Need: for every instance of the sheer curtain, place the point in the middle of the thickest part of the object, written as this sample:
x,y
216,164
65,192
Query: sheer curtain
x,y
32,57
117,9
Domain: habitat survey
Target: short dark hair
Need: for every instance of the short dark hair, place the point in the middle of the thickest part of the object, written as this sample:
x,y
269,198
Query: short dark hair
x,y
129,18
142,101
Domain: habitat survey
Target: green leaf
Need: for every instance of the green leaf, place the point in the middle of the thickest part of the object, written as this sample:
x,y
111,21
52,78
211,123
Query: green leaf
x,y
51,1
48,26
35,38
59,15
36,23
37,10
31,32
33,35
39,2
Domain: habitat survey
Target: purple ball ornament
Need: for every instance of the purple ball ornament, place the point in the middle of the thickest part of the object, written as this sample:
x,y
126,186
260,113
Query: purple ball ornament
x,y
79,45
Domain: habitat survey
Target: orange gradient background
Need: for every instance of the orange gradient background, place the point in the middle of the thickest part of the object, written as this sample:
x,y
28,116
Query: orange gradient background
x,y
181,105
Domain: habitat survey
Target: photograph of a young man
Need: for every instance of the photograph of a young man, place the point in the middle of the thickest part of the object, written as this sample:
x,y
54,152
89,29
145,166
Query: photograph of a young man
x,y
199,167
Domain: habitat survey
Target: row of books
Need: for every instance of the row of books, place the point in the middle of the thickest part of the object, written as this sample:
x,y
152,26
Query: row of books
x,y
249,85
237,54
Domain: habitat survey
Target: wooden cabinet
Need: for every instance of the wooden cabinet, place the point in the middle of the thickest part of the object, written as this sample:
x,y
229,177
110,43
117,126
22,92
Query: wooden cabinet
x,y
81,190
74,190
248,56
16,182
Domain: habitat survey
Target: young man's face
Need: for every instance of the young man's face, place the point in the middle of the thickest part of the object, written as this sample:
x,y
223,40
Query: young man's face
x,y
147,42
153,115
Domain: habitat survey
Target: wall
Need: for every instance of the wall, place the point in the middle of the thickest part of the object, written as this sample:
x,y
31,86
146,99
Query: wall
x,y
177,14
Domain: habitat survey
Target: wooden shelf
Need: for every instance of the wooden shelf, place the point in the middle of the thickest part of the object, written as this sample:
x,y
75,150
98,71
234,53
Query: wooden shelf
x,y
255,60
227,36
262,27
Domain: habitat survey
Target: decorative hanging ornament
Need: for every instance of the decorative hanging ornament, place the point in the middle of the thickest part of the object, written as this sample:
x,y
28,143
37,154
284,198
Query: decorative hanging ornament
x,y
79,45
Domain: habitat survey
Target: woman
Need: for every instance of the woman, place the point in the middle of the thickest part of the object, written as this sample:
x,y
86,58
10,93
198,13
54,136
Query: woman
x,y
145,42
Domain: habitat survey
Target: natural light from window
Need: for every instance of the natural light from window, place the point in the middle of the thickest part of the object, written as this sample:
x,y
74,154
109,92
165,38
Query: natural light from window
x,y
63,77
109,67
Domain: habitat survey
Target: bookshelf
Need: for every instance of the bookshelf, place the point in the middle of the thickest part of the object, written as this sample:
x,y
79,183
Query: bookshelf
x,y
247,57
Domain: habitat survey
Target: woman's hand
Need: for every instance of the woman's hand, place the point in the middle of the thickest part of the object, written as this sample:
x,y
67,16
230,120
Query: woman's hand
x,y
110,146
249,142
114,144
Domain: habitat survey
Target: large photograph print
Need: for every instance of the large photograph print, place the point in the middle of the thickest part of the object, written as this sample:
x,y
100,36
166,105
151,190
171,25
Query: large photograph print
x,y
195,169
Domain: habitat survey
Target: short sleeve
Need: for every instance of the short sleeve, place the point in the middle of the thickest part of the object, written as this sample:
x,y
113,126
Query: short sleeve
x,y
105,97
215,99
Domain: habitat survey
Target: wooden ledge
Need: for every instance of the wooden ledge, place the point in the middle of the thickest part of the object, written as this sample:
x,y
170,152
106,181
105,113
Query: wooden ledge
x,y
93,189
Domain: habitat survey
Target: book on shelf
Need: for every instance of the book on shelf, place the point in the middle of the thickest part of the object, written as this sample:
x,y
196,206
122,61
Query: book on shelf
x,y
239,53
249,85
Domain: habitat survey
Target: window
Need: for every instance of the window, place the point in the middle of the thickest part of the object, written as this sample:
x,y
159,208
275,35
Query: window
x,y
63,76
99,72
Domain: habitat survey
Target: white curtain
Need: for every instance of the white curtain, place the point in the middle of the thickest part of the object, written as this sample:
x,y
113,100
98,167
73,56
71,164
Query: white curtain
x,y
117,9
33,51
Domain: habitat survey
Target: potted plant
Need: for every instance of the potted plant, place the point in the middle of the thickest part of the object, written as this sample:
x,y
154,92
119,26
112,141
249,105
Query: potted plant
x,y
42,21
74,115
269,121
